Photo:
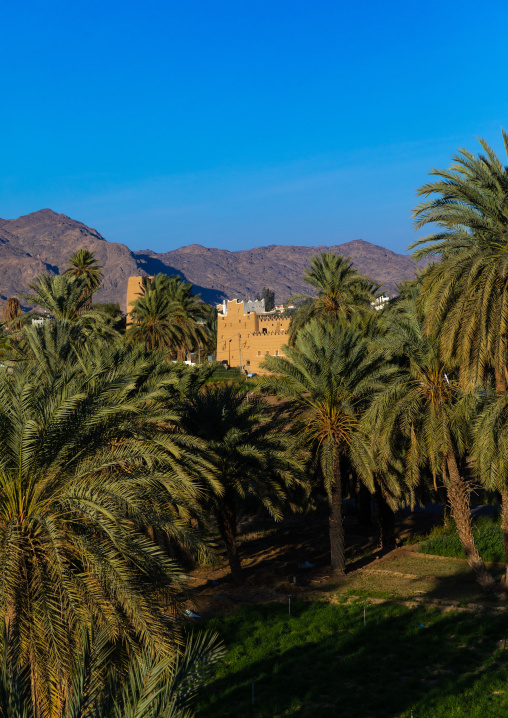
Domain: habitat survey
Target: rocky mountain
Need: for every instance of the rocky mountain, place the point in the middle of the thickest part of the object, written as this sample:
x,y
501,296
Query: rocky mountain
x,y
41,242
243,273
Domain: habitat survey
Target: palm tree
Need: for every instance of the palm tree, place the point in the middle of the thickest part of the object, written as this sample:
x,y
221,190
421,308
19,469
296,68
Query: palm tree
x,y
328,378
341,291
11,310
466,293
88,460
210,345
250,455
12,323
390,486
190,314
168,315
490,453
153,319
83,264
425,414
112,311
150,686
63,296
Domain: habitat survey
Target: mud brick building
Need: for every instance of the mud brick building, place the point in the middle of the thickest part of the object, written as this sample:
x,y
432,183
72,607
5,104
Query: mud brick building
x,y
245,338
134,290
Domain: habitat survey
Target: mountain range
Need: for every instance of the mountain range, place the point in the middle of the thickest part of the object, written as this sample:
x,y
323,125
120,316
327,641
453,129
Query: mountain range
x,y
42,242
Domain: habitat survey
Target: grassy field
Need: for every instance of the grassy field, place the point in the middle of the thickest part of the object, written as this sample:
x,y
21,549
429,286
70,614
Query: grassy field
x,y
323,661
432,642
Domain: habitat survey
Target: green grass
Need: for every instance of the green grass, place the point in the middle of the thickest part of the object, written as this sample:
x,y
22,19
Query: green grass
x,y
323,661
221,374
444,541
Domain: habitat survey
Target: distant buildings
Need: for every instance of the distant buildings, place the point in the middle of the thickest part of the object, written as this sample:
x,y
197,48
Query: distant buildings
x,y
381,301
251,305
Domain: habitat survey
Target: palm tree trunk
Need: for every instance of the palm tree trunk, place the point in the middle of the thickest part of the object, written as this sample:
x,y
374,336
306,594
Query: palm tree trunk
x,y
226,519
504,528
500,389
500,381
386,520
458,496
336,524
363,499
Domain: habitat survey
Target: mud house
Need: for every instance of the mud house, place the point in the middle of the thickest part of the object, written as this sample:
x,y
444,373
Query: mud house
x,y
246,334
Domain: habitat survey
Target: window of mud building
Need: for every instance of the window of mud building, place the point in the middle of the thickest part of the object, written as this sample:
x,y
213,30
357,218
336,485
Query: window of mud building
x,y
265,330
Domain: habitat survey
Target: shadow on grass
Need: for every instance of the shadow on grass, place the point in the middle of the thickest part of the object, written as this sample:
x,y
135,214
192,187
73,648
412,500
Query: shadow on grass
x,y
462,587
323,661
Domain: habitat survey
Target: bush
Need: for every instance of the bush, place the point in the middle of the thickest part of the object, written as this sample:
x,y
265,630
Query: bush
x,y
444,540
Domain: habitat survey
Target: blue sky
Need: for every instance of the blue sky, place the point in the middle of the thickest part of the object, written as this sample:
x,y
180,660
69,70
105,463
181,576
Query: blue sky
x,y
236,124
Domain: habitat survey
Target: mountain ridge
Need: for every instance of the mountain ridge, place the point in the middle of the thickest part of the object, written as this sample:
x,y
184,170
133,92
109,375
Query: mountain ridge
x,y
42,242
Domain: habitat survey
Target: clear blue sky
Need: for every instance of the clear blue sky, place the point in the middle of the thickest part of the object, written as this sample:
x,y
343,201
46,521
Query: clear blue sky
x,y
238,123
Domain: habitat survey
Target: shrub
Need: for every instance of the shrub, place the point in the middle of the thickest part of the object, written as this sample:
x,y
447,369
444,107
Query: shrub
x,y
444,540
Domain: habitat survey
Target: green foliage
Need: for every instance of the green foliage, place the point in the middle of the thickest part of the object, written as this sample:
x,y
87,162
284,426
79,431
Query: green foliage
x,y
210,347
323,661
147,686
414,410
221,374
66,298
269,296
249,455
113,311
465,293
89,458
444,540
84,265
63,296
327,379
341,292
490,447
169,316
